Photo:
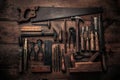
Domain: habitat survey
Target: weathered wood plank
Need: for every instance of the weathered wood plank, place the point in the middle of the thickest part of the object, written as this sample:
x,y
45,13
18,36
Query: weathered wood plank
x,y
86,67
9,32
9,56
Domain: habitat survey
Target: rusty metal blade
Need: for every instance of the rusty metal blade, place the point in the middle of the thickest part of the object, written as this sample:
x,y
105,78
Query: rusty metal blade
x,y
52,13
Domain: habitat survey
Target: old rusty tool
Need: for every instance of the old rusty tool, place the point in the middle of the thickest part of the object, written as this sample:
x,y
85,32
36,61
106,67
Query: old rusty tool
x,y
96,33
102,48
40,34
39,53
82,38
48,24
87,38
65,36
54,60
26,13
36,14
63,64
78,21
72,36
32,53
53,13
48,53
25,54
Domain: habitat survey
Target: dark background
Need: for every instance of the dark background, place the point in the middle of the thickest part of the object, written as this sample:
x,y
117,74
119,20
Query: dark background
x,y
9,33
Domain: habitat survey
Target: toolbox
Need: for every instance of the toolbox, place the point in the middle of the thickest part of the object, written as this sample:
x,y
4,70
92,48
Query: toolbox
x,y
64,40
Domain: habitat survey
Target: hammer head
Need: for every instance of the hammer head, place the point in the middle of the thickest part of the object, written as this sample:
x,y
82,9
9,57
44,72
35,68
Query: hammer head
x,y
77,18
